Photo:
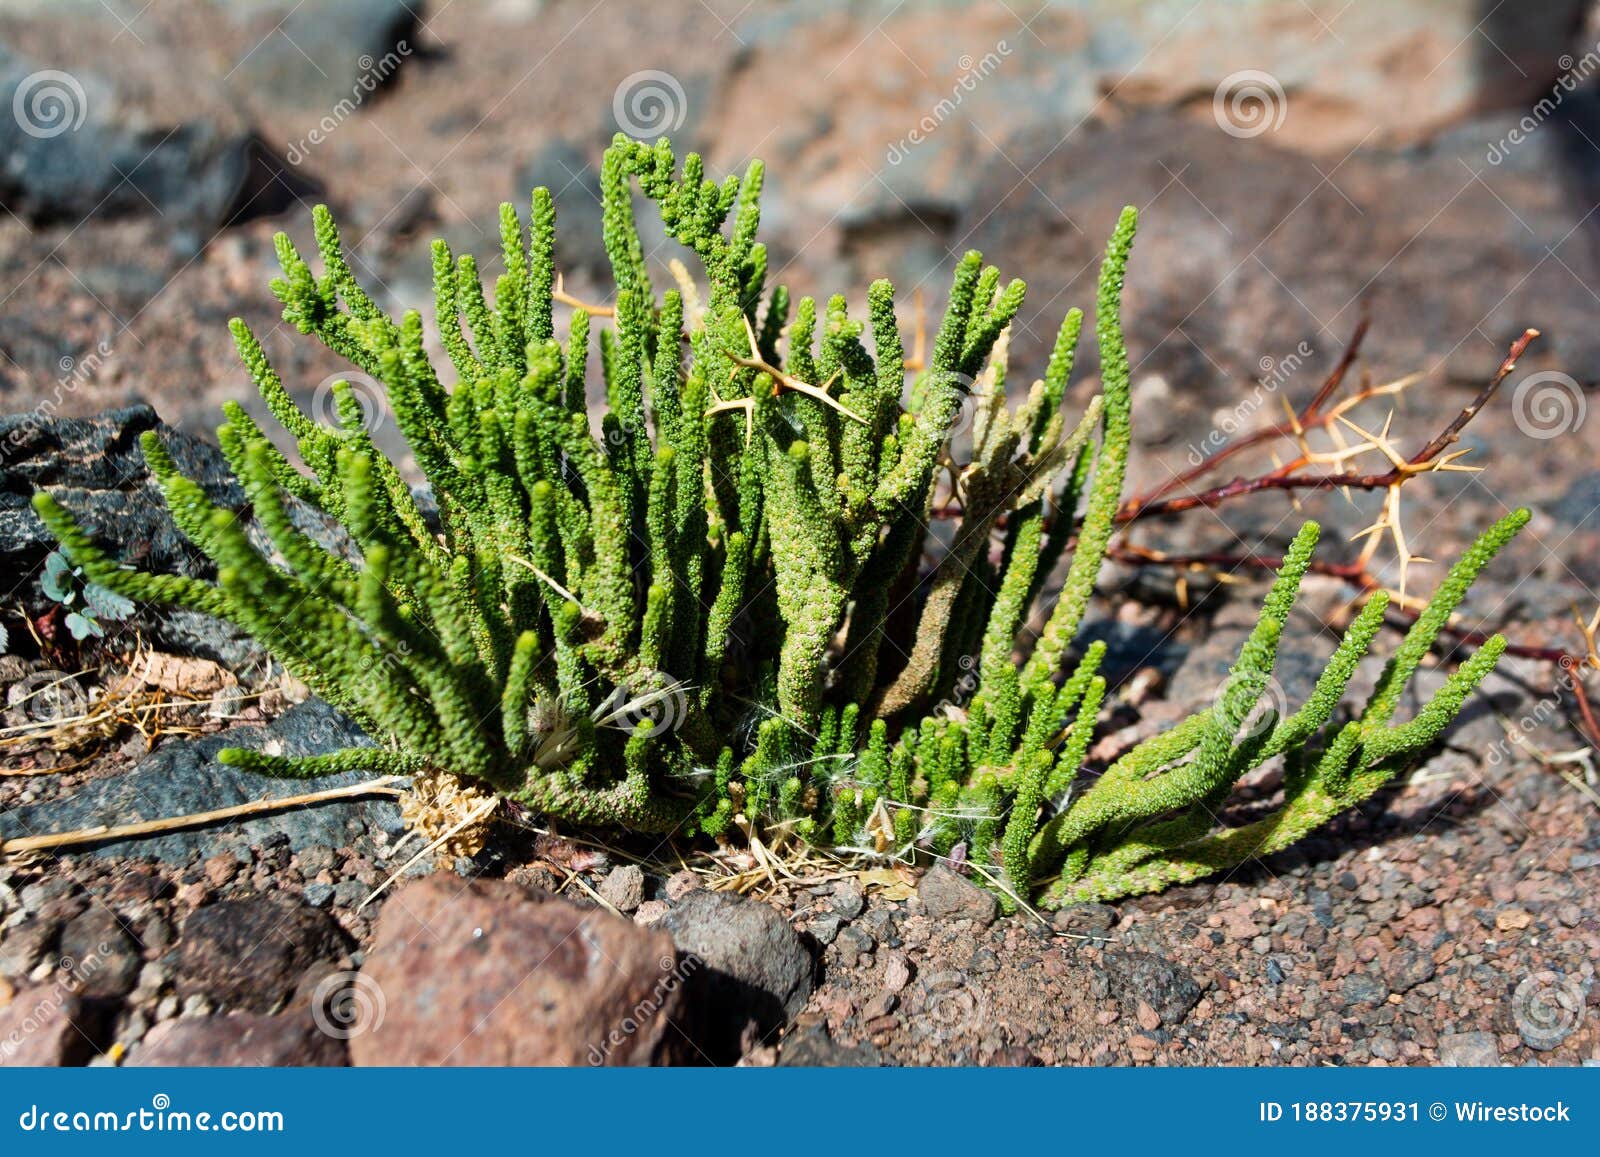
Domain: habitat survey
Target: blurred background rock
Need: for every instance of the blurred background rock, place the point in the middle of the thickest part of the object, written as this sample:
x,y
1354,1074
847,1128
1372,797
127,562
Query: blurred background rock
x,y
1435,162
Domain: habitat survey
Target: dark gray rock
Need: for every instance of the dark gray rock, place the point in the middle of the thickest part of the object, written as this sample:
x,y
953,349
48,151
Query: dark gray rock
x,y
572,174
139,135
946,895
97,948
1580,505
848,900
1166,987
320,53
184,776
249,954
814,1048
1093,920
852,944
757,973
1359,988
24,945
318,895
94,468
825,927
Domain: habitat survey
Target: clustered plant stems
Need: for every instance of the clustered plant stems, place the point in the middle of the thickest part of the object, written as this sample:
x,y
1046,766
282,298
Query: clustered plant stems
x,y
712,608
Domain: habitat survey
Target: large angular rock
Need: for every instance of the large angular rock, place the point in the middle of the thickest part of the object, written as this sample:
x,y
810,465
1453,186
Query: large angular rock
x,y
487,973
94,467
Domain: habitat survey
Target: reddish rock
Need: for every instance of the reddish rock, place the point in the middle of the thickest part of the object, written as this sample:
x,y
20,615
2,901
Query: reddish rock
x,y
241,1040
946,895
46,1026
487,973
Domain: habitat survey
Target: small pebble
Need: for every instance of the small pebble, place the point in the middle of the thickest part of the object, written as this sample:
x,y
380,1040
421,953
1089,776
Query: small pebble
x,y
896,971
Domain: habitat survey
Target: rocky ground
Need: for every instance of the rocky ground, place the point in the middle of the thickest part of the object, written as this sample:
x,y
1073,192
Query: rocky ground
x,y
1453,920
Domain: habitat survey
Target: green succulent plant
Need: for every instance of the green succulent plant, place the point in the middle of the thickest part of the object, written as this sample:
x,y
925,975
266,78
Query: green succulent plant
x,y
716,602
